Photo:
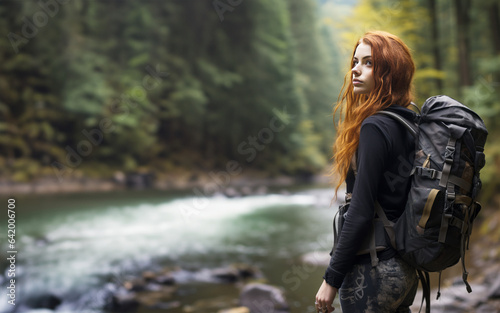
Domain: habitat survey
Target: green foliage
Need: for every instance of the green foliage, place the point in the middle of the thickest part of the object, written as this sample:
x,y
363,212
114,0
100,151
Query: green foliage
x,y
166,85
484,98
437,72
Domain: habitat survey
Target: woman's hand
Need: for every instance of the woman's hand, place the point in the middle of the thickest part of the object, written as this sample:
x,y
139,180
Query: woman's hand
x,y
324,298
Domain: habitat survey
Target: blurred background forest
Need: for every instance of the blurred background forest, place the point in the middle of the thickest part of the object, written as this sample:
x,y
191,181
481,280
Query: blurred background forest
x,y
88,88
178,89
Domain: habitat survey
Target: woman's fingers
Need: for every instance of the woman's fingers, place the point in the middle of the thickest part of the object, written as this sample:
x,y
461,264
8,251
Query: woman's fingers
x,y
324,298
327,308
322,306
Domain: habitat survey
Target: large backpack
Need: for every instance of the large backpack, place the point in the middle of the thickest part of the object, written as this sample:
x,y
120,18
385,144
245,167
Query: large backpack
x,y
433,232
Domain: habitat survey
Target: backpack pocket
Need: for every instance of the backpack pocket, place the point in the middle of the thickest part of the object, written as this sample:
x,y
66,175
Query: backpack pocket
x,y
426,205
420,230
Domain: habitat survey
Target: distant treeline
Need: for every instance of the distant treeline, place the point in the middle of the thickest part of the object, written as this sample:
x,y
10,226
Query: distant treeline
x,y
91,87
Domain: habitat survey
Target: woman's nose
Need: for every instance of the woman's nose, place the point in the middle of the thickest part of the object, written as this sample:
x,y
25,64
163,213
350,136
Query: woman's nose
x,y
355,70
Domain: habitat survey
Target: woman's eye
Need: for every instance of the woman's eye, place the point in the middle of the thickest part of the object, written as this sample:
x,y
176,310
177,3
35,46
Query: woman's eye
x,y
369,63
354,63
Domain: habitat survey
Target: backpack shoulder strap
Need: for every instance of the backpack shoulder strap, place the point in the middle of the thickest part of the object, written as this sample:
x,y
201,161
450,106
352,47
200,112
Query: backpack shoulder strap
x,y
410,126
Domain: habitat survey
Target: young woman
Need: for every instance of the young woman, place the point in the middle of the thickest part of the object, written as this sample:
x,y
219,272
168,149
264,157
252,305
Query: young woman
x,y
380,79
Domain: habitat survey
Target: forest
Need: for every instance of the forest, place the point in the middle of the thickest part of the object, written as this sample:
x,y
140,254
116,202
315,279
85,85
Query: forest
x,y
88,88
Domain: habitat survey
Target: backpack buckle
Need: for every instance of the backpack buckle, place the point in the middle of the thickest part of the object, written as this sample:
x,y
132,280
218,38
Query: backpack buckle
x,y
451,196
450,149
433,173
427,172
348,197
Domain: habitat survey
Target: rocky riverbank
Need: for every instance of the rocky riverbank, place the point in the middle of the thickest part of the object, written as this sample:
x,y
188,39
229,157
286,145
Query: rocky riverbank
x,y
206,183
151,291
484,298
162,290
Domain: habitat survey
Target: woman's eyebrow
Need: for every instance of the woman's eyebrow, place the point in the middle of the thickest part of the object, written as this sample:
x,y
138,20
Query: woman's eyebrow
x,y
365,57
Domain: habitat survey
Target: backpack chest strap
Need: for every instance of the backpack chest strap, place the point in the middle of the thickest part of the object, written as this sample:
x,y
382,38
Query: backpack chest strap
x,y
435,174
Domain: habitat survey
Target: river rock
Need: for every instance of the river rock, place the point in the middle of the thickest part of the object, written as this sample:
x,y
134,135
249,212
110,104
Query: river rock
x,y
488,308
495,288
139,180
165,279
246,190
241,309
212,304
137,284
235,273
261,190
149,276
122,302
45,301
246,271
263,298
230,274
231,192
448,308
154,298
226,275
455,299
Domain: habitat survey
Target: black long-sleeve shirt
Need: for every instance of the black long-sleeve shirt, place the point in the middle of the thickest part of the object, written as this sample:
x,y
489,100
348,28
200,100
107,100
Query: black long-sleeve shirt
x,y
384,162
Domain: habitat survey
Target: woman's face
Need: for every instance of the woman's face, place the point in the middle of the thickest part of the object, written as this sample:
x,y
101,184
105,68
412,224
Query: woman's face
x,y
362,70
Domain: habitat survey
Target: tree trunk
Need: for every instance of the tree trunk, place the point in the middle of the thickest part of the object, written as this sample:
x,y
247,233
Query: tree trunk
x,y
495,26
435,43
462,15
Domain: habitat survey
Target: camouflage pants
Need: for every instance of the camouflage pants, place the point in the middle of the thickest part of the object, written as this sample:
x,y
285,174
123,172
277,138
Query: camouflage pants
x,y
387,288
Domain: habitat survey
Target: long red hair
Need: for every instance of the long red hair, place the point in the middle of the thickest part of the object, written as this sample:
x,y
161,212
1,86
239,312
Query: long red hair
x,y
393,70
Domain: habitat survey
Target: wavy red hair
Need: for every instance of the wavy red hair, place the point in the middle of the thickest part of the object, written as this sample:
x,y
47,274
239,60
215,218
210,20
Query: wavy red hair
x,y
393,70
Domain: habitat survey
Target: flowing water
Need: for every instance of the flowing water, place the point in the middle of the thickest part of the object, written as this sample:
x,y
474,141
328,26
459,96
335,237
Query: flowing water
x,y
73,245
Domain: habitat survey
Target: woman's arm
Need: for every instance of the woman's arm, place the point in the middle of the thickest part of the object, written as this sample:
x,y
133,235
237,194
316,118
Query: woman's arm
x,y
373,153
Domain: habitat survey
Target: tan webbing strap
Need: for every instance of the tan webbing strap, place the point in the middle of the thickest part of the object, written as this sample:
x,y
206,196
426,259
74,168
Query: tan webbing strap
x,y
427,208
461,199
354,166
450,190
444,228
450,150
388,225
460,182
435,174
348,197
458,223
445,174
465,274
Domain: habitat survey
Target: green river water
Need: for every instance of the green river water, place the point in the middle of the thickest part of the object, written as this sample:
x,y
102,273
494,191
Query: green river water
x,y
73,245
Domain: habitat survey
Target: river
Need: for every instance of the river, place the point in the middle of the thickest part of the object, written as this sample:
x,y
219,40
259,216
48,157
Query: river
x,y
73,245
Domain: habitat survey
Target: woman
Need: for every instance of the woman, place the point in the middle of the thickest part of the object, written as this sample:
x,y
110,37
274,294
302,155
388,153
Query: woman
x,y
380,79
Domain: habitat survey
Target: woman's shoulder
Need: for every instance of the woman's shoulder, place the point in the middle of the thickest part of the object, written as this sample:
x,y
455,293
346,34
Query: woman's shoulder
x,y
383,122
389,129
378,121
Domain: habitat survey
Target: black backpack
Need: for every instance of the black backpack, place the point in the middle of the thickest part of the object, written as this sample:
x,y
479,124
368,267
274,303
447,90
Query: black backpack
x,y
433,232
